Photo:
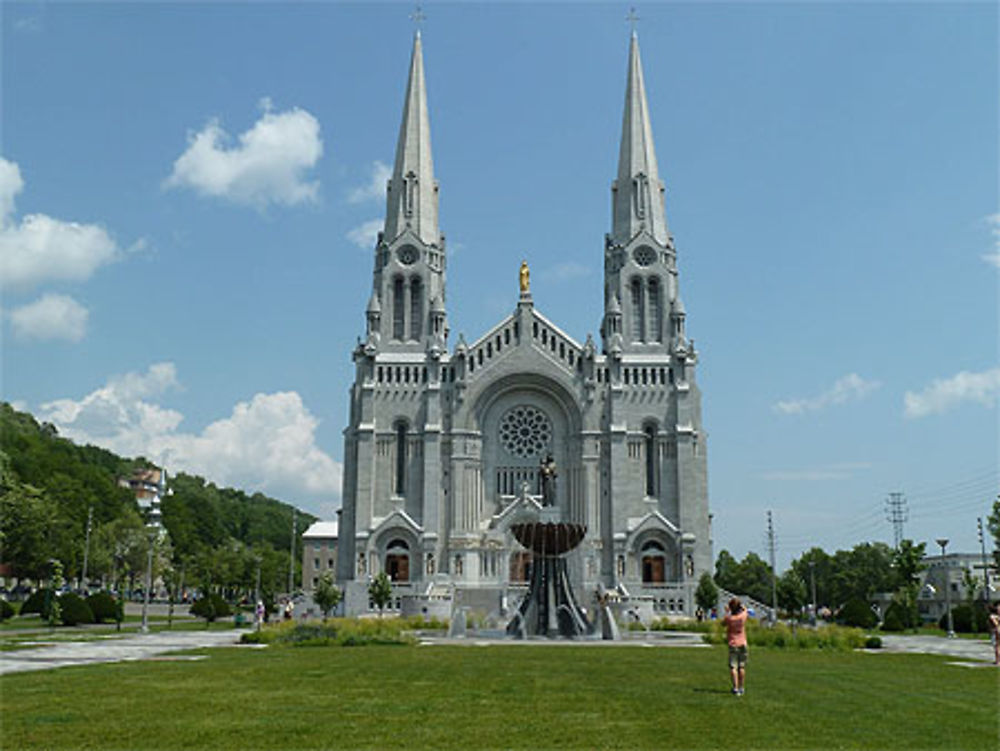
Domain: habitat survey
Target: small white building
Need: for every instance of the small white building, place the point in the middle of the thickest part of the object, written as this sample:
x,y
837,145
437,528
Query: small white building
x,y
319,553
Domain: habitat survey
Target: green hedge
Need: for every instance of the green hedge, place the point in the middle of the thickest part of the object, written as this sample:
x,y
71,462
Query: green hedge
x,y
6,610
784,637
73,610
38,602
341,632
103,606
966,620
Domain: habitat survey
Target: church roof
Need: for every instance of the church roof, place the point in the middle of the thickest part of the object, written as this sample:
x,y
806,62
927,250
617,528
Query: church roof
x,y
638,200
321,530
412,195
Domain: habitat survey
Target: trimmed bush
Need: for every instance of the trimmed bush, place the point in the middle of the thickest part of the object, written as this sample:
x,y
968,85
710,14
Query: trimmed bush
x,y
6,610
873,642
73,609
36,603
857,613
103,606
210,607
894,619
962,619
335,632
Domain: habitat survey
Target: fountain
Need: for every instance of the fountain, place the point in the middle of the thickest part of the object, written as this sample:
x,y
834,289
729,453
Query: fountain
x,y
549,608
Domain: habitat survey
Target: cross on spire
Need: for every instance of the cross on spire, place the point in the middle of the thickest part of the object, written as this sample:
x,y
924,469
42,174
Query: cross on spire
x,y
418,17
632,18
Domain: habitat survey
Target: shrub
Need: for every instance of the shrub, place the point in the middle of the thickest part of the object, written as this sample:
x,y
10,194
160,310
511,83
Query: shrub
x,y
343,632
965,619
857,613
873,642
40,601
103,606
73,609
210,607
894,619
6,610
784,637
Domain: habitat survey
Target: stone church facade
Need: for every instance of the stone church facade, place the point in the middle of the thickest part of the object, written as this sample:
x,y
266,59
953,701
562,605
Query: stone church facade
x,y
445,442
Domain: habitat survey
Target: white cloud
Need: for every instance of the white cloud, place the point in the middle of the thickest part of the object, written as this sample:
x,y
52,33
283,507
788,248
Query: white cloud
x,y
266,444
50,317
11,183
267,164
849,388
365,235
41,248
944,394
375,188
993,220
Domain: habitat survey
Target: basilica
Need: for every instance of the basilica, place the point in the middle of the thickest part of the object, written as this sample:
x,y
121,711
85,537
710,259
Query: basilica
x,y
447,441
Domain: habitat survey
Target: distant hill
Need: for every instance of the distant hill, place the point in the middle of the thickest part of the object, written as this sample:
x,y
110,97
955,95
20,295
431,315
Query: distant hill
x,y
48,483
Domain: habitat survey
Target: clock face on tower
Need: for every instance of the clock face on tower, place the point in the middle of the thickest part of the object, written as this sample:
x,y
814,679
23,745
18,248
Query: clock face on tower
x,y
407,255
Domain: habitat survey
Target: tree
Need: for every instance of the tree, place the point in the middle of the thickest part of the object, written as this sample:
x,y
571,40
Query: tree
x,y
791,591
993,524
908,560
707,594
380,591
326,594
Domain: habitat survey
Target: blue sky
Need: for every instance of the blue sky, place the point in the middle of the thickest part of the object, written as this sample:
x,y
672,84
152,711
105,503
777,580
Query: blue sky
x,y
188,191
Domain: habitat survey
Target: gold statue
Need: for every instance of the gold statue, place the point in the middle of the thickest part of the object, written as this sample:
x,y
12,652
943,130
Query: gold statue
x,y
525,275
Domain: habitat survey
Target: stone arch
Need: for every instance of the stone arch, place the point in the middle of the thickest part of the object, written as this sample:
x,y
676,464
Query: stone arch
x,y
398,550
656,555
503,470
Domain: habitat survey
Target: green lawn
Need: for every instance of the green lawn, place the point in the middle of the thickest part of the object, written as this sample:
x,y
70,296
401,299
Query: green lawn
x,y
469,697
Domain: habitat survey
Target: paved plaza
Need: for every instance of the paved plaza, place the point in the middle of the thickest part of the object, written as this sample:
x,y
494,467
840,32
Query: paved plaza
x,y
112,649
161,644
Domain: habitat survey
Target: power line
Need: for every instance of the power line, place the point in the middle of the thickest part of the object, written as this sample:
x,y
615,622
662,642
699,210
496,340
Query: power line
x,y
896,514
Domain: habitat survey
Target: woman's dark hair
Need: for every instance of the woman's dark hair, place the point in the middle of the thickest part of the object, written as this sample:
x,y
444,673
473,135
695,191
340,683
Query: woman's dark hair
x,y
735,606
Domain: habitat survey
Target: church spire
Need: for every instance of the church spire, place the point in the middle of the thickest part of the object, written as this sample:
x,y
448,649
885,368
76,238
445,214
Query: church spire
x,y
638,191
412,197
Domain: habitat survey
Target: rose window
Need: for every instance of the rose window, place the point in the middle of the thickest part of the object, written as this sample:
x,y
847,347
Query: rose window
x,y
525,431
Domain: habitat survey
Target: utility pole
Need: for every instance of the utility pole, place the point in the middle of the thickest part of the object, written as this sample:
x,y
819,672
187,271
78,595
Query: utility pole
x,y
86,552
774,570
291,558
896,514
986,568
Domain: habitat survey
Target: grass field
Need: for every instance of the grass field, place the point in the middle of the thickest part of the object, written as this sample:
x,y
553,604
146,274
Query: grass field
x,y
469,697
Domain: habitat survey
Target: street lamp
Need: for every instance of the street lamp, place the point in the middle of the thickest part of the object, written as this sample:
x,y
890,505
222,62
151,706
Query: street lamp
x,y
152,532
943,542
812,579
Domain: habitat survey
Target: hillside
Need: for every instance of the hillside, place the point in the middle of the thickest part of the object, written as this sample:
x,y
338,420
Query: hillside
x,y
216,535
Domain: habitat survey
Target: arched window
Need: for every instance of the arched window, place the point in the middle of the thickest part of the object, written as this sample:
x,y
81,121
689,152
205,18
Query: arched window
x,y
416,308
655,310
638,316
398,308
401,431
654,569
652,465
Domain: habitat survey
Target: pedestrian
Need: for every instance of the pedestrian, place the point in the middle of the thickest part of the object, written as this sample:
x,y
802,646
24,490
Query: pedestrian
x,y
735,621
995,632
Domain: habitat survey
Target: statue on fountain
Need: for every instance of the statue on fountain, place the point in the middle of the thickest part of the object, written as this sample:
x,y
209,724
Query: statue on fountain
x,y
548,473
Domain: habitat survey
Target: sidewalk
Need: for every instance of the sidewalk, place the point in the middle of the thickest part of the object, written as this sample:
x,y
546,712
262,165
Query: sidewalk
x,y
967,649
132,647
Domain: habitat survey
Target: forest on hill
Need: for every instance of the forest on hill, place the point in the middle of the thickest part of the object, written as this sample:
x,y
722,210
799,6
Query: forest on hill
x,y
217,538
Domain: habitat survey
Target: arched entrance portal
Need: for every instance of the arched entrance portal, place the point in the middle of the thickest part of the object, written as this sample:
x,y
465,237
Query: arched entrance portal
x,y
654,563
397,561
